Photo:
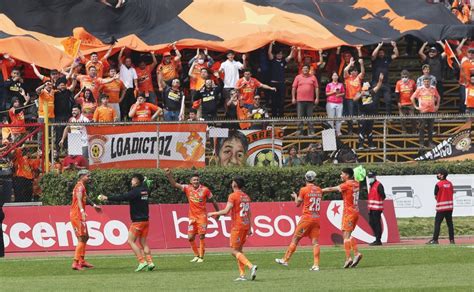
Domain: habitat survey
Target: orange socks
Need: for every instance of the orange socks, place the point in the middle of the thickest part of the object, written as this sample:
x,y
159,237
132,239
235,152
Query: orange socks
x,y
241,268
289,252
140,259
316,252
243,259
202,247
347,247
79,252
354,246
194,247
148,259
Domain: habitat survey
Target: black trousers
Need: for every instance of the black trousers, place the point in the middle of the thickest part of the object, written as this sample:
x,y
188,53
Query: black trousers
x,y
426,125
375,221
2,244
366,128
278,99
449,221
127,102
23,189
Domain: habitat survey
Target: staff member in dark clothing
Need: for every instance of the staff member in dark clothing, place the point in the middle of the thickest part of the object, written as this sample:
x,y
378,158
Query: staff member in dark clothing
x,y
375,206
367,107
138,198
209,96
443,192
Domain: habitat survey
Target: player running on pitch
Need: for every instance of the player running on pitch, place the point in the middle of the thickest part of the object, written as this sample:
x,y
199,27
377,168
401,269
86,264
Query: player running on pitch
x,y
197,195
350,194
239,203
310,196
78,219
138,198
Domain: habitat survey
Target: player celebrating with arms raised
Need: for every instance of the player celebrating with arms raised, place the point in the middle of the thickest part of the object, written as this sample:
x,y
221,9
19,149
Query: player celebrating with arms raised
x,y
239,203
78,219
197,195
350,194
138,198
310,196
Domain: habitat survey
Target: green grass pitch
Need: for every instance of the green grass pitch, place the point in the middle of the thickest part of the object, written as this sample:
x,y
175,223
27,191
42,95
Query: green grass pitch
x,y
396,268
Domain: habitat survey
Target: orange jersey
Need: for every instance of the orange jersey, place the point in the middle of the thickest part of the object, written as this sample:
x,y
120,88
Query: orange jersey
x,y
17,119
196,81
467,69
94,84
469,96
197,199
247,89
144,79
353,86
100,66
113,89
350,195
240,210
311,195
405,90
88,109
48,98
104,114
79,189
23,166
168,71
144,112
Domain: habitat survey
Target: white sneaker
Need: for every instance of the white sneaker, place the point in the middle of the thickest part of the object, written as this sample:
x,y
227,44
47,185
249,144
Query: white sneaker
x,y
241,278
348,263
200,260
281,262
314,268
195,259
253,272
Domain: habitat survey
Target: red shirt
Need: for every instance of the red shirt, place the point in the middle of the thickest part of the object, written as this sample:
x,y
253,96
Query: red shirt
x,y
353,86
144,112
426,99
17,120
247,89
405,90
79,160
145,83
305,87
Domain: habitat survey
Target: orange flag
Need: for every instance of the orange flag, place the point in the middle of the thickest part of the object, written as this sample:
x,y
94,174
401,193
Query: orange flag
x,y
71,46
449,55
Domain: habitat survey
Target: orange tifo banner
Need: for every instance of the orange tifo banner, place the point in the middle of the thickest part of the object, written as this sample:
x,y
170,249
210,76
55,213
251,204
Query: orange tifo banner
x,y
146,146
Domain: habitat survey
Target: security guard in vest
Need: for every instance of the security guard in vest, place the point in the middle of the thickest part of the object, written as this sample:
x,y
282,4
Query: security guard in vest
x,y
444,206
375,206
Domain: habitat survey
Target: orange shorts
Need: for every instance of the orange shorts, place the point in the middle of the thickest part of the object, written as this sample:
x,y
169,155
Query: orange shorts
x,y
197,225
308,228
139,229
349,221
238,236
80,227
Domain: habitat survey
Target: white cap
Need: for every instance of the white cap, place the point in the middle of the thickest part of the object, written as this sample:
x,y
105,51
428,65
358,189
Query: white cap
x,y
310,175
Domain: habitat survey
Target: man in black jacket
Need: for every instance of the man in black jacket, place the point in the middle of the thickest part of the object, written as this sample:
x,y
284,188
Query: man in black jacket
x,y
138,198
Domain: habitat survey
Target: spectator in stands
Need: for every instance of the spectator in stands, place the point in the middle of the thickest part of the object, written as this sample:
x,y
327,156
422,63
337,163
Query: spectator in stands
x,y
203,76
46,95
13,88
230,68
380,65
105,113
470,97
193,116
74,163
169,68
92,82
197,65
6,64
405,88
173,100
308,60
277,78
436,62
53,75
23,177
247,87
315,155
461,10
95,62
293,159
232,106
129,77
145,83
428,103
257,112
63,100
467,66
305,94
353,81
115,90
86,99
208,98
77,117
368,107
334,95
17,118
342,60
426,74
143,111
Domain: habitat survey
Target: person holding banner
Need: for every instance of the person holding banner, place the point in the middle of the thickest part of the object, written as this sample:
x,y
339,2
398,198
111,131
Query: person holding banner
x,y
139,212
444,206
197,195
310,196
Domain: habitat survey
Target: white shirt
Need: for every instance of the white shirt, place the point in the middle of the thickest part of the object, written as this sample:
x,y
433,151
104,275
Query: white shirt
x,y
127,75
80,129
231,71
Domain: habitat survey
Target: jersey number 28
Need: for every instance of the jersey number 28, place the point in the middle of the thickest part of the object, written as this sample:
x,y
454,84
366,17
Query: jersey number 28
x,y
244,209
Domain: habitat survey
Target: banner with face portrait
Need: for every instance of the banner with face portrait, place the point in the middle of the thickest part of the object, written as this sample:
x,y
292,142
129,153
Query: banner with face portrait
x,y
259,148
